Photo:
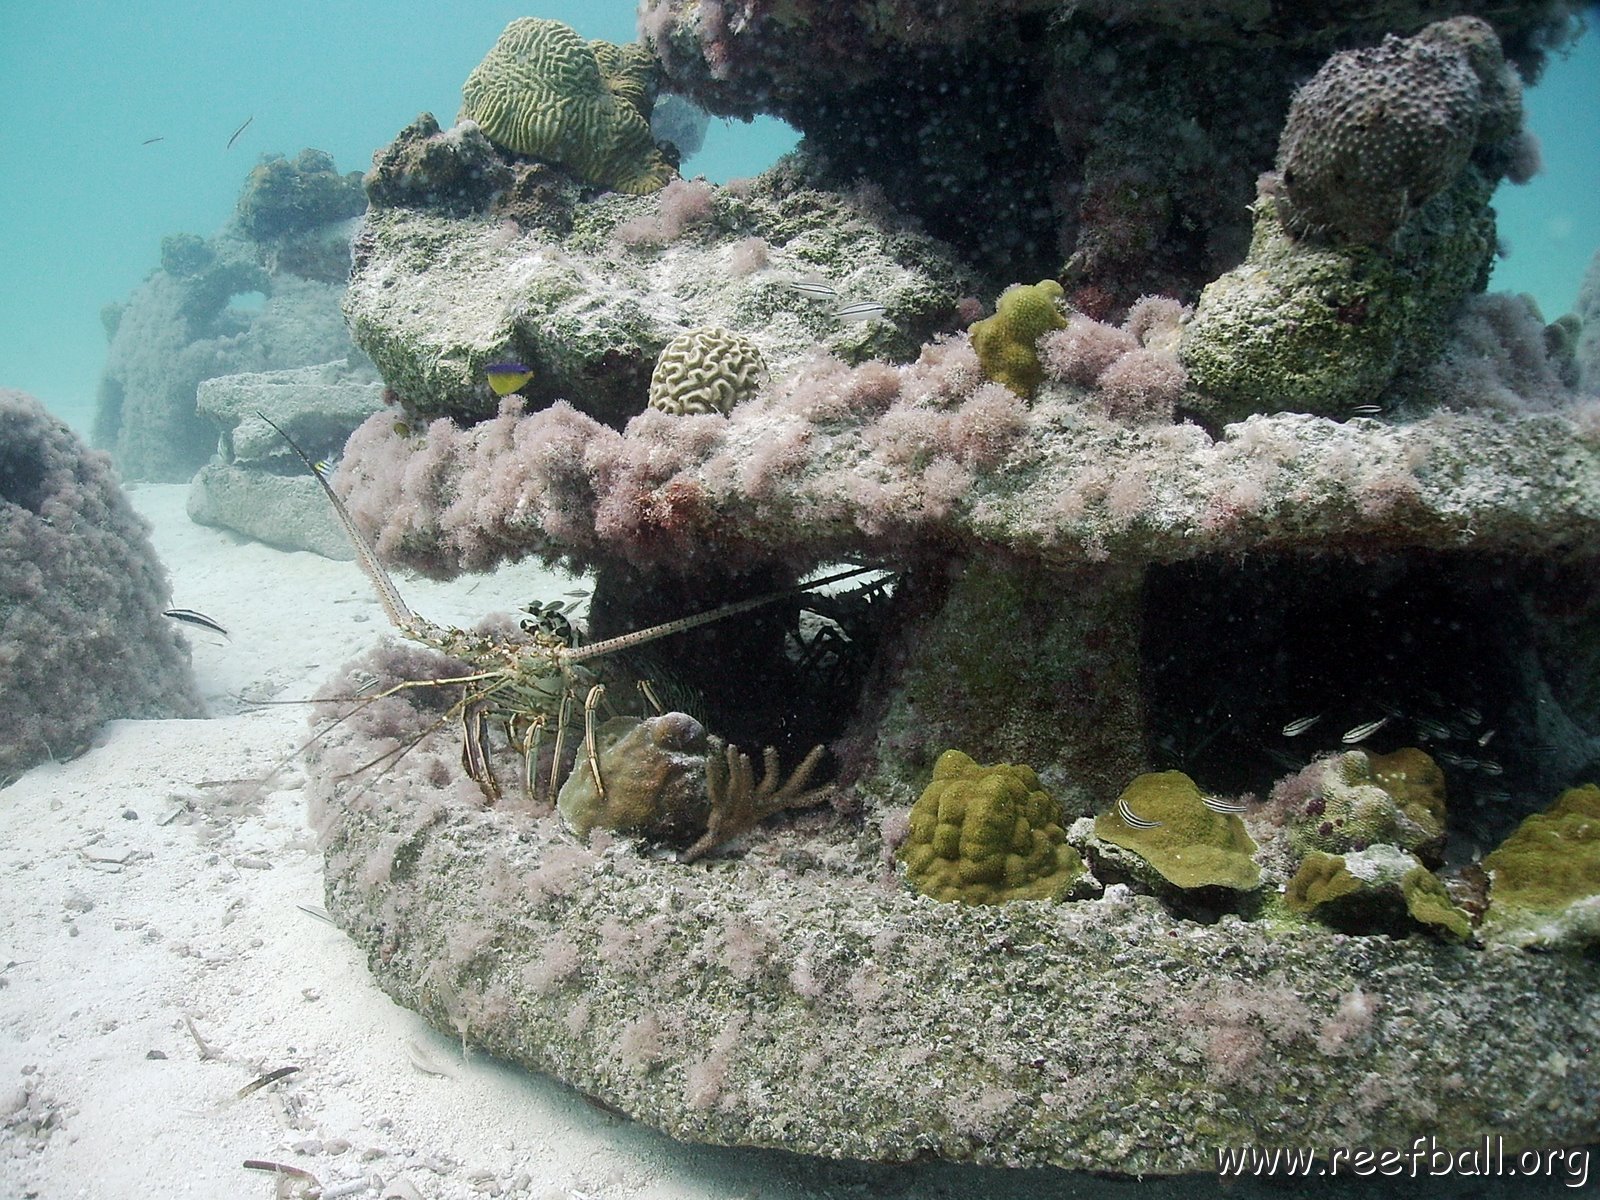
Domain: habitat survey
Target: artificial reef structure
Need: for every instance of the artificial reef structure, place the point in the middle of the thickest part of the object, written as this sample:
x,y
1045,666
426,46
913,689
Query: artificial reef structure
x,y
1214,729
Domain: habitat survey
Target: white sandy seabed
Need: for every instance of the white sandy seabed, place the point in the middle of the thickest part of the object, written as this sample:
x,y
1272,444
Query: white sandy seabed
x,y
155,958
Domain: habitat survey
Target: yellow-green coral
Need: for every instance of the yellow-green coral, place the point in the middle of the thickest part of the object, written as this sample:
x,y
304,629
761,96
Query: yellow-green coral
x,y
1005,342
545,92
1429,904
706,370
1321,879
1189,844
1395,799
987,835
1544,880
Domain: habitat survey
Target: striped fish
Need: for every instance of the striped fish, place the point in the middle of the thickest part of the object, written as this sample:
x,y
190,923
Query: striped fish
x,y
1131,818
813,290
1226,807
190,617
861,311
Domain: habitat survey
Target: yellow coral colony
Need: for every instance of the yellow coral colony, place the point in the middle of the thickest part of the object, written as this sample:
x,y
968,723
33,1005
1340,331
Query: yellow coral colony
x,y
987,835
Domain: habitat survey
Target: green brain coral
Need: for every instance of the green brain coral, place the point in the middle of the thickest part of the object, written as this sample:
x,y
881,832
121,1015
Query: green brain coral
x,y
986,835
1005,342
1544,880
544,91
706,370
1189,844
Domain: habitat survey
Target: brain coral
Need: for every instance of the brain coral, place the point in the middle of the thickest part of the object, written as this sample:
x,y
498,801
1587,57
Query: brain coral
x,y
1379,131
706,370
544,91
986,835
82,638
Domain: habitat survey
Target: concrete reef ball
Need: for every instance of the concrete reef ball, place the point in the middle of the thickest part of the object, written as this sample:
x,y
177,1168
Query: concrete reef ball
x,y
544,91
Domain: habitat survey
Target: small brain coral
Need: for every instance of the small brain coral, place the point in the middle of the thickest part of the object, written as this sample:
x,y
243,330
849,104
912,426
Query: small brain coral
x,y
1379,131
1189,844
545,92
1005,342
987,835
706,370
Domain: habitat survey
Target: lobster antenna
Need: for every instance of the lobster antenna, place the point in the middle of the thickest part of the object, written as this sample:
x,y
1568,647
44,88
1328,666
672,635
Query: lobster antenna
x,y
639,637
394,605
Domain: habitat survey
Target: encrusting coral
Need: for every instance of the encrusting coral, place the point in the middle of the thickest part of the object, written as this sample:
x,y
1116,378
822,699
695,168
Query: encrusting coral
x,y
82,636
1380,888
544,91
1545,878
1186,842
988,835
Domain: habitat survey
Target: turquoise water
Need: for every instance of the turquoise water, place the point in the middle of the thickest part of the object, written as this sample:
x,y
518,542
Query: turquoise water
x,y
86,201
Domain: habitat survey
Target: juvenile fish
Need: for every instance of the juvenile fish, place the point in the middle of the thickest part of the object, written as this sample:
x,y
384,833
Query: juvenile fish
x,y
814,291
1362,732
238,131
1226,807
1128,815
1297,727
862,310
190,617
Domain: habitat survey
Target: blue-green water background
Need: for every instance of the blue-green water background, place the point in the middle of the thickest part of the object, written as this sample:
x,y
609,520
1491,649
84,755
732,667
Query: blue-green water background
x,y
84,203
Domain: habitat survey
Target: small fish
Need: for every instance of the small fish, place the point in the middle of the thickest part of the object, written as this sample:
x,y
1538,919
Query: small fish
x,y
1472,716
401,429
324,466
189,617
1129,817
1218,805
862,310
238,131
813,291
270,1077
1298,726
1366,410
1487,737
152,141
506,377
1437,730
1489,767
1362,732
1455,760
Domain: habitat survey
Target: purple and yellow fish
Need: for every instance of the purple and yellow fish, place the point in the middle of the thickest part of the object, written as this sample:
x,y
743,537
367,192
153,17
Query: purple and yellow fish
x,y
506,377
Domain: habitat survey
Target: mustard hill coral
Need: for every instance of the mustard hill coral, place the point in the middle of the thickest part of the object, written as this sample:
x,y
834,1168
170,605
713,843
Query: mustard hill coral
x,y
544,91
988,835
1006,341
1188,844
706,370
1544,880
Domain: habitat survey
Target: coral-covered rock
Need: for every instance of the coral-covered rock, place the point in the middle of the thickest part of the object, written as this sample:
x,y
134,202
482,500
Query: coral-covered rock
x,y
455,170
1363,800
988,835
1587,310
589,303
1162,818
1544,890
232,303
82,636
1379,889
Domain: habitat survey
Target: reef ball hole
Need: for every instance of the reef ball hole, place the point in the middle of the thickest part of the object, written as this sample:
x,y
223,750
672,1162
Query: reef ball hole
x,y
1434,646
787,674
21,474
